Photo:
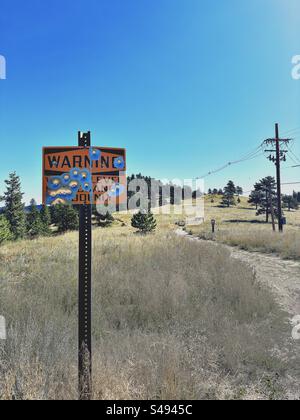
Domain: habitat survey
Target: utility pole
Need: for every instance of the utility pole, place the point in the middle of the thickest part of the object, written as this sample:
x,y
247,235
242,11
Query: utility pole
x,y
280,155
280,224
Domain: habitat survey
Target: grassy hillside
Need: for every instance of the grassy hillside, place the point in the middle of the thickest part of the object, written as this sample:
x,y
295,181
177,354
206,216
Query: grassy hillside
x,y
171,319
239,226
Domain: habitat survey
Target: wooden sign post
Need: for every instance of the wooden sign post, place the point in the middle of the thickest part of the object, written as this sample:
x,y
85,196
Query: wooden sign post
x,y
84,176
213,225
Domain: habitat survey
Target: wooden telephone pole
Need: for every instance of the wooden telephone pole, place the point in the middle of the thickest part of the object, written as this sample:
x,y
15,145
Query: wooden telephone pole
x,y
277,155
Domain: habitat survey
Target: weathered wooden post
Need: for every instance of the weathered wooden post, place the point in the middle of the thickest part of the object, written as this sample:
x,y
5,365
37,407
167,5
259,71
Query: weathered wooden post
x,y
213,225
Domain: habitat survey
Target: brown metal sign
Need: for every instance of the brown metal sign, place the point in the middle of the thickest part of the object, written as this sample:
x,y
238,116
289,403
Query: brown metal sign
x,y
83,175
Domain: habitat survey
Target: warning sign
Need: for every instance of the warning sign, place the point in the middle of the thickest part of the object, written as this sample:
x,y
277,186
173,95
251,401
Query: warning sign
x,y
83,175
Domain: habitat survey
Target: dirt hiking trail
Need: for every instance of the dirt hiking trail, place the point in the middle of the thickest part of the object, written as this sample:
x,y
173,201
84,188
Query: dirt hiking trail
x,y
283,276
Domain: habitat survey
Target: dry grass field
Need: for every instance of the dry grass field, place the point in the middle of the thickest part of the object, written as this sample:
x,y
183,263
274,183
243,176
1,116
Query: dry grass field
x,y
239,226
172,319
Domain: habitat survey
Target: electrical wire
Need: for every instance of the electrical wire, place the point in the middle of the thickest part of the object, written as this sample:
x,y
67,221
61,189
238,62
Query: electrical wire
x,y
293,154
254,154
290,167
249,156
291,131
290,183
293,160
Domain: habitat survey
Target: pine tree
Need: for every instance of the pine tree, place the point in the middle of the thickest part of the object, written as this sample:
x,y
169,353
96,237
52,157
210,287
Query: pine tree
x,y
228,194
144,222
67,218
175,195
34,223
5,232
290,202
104,220
268,189
46,220
239,191
296,196
32,215
256,196
197,194
54,210
265,191
14,208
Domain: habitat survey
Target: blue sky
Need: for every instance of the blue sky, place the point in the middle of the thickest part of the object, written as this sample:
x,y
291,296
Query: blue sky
x,y
184,85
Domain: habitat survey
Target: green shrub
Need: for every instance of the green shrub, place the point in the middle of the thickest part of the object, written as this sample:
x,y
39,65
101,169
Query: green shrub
x,y
5,232
144,222
67,218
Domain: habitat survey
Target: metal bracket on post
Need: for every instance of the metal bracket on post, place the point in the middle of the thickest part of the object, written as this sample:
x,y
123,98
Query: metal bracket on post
x,y
85,291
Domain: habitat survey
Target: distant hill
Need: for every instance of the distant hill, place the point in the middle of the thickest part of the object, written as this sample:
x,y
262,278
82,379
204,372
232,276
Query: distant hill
x,y
27,208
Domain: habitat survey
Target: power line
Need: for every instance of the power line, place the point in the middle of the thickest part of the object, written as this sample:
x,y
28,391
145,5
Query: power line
x,y
249,156
290,167
293,160
290,183
292,156
291,131
296,157
283,183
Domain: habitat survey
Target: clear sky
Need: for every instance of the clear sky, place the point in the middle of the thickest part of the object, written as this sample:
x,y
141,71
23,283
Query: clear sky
x,y
184,85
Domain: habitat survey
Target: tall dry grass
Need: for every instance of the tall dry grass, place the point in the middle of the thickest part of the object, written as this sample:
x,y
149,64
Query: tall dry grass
x,y
260,239
239,226
171,320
